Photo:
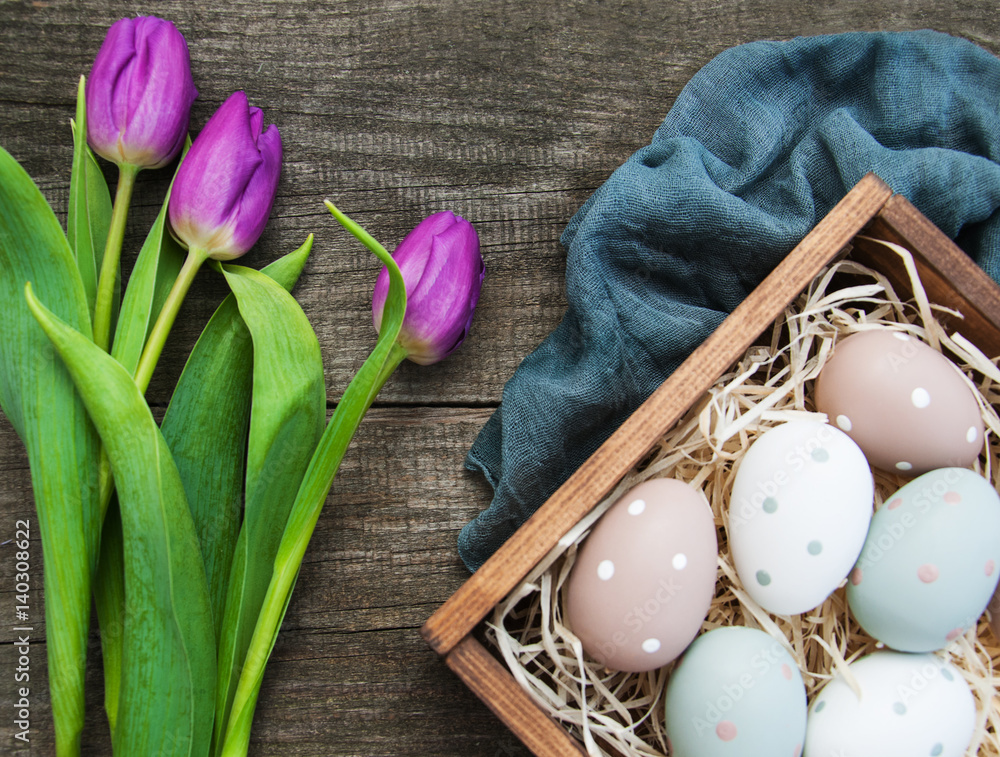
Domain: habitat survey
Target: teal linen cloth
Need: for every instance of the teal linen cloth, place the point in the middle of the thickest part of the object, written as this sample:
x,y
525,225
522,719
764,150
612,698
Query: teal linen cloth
x,y
758,147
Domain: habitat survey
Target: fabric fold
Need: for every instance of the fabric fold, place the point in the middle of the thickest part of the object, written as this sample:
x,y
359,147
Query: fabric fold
x,y
758,147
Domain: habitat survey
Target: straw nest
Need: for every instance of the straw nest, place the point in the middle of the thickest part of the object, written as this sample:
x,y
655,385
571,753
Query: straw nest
x,y
621,713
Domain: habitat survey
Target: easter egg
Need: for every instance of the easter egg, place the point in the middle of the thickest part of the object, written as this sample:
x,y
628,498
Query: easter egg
x,y
929,565
644,577
907,705
736,692
904,403
798,515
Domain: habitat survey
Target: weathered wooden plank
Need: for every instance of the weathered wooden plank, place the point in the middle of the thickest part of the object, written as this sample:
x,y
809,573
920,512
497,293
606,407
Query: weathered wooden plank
x,y
509,112
494,684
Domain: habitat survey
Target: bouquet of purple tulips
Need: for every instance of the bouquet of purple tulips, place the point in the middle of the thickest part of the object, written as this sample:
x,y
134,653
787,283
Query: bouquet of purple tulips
x,y
187,534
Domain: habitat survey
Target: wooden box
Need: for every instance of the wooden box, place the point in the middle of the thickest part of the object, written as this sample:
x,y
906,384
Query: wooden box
x,y
949,277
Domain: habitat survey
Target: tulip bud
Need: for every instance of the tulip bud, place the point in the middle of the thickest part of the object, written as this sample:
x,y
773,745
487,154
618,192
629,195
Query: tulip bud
x,y
139,93
224,189
444,272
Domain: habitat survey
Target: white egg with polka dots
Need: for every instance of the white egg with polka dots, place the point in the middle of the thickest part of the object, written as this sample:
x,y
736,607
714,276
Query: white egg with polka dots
x,y
799,511
643,579
906,704
904,403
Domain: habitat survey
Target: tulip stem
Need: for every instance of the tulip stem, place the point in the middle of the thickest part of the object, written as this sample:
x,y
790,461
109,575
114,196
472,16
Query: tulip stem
x,y
165,321
315,487
112,256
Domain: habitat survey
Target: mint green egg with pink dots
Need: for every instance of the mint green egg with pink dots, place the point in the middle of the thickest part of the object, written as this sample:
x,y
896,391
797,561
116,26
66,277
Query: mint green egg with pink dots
x,y
737,692
929,565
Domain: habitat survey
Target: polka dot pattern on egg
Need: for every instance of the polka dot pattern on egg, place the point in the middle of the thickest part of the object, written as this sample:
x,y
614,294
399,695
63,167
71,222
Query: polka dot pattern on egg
x,y
897,704
928,573
933,588
726,730
844,423
879,383
820,455
803,488
644,577
920,398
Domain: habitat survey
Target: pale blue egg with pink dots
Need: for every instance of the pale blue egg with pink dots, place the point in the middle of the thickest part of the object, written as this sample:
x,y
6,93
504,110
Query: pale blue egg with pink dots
x,y
929,564
904,704
737,692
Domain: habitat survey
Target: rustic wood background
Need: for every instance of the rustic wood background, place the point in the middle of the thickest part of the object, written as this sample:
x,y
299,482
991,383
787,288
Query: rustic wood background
x,y
509,112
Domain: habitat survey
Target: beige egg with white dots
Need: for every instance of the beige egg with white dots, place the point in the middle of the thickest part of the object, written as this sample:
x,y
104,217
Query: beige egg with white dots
x,y
905,404
644,578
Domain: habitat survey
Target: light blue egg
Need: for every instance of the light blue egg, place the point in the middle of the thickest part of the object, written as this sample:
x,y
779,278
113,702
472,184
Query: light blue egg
x,y
737,692
930,563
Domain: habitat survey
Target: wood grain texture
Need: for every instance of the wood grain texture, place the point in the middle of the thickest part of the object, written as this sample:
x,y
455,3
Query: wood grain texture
x,y
943,269
493,683
510,112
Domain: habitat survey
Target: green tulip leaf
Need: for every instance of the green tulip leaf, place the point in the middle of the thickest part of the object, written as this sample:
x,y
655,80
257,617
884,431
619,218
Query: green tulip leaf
x,y
89,215
37,395
207,419
156,268
168,653
286,419
312,493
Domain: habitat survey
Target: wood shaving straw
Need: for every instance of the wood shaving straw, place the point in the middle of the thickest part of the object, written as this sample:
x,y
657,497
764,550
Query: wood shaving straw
x,y
621,713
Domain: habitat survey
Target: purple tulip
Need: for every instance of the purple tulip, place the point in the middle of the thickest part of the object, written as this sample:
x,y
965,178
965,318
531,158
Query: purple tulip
x,y
444,272
223,192
139,93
